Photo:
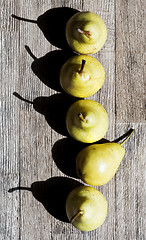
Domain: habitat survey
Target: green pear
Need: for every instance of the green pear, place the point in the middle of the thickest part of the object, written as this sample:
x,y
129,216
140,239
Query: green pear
x,y
86,32
82,76
97,164
86,208
86,121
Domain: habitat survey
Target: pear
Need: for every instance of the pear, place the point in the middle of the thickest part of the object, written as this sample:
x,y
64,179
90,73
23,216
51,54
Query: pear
x,y
97,164
86,208
86,121
86,32
82,76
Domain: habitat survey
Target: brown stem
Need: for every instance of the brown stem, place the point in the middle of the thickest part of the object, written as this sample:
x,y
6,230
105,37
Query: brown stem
x,y
82,66
124,137
87,33
80,115
80,212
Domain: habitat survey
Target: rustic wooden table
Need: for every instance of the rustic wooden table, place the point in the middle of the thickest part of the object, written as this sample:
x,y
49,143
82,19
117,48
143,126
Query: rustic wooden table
x,y
35,151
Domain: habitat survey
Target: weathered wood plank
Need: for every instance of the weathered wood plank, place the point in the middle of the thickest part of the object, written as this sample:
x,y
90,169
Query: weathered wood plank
x,y
130,87
130,181
9,137
35,134
7,9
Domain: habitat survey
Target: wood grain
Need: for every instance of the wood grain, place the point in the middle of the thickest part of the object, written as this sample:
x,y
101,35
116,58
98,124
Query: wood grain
x,y
9,140
130,61
130,190
37,157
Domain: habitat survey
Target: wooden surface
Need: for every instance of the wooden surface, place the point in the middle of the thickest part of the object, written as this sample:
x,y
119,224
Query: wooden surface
x,y
34,148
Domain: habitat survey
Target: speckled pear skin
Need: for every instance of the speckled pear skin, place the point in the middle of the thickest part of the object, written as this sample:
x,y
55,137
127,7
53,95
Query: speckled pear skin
x,y
86,21
83,84
97,164
93,205
95,126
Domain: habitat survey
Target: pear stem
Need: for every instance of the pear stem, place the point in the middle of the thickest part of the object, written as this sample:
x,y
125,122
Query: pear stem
x,y
80,212
82,66
126,136
80,115
87,33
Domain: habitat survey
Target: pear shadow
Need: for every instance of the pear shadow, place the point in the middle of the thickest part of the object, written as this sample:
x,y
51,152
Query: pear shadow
x,y
47,68
52,193
54,109
64,153
52,23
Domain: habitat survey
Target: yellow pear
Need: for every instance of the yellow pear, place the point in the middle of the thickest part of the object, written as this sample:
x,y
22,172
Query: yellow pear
x,y
86,208
86,32
86,121
97,164
82,76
